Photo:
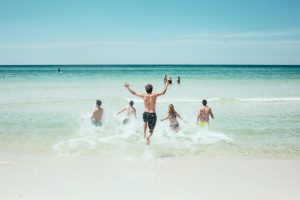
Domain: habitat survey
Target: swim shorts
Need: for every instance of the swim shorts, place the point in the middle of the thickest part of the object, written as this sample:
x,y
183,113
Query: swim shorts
x,y
97,123
150,118
126,121
203,124
174,126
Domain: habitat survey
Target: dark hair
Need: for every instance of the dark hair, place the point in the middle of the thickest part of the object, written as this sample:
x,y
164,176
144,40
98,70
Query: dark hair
x,y
131,103
204,102
98,103
149,88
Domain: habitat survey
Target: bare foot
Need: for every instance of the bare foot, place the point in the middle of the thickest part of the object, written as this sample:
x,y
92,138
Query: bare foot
x,y
148,140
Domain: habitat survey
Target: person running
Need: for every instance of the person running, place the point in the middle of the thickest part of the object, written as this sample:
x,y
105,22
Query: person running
x,y
149,115
203,114
96,117
130,113
172,115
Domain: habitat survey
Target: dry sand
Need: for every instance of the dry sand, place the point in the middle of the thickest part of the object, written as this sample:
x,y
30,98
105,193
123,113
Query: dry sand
x,y
36,177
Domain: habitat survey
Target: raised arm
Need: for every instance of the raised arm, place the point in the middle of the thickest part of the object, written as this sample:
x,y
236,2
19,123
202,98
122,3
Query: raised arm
x,y
164,90
126,85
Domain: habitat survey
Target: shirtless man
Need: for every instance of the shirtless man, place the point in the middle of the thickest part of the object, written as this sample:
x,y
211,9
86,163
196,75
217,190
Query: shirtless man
x,y
203,115
97,114
149,115
130,112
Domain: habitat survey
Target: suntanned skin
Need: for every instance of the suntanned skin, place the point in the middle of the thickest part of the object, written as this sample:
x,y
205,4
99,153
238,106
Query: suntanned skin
x,y
130,111
204,113
97,114
149,104
173,119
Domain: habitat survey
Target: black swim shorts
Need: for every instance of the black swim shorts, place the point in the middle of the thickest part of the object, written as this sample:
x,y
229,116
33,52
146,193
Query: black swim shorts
x,y
150,118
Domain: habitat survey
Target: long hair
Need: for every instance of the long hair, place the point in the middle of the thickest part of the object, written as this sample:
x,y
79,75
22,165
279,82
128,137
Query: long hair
x,y
171,110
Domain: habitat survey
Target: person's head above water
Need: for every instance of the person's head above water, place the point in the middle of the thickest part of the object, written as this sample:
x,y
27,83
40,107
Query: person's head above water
x,y
131,103
171,109
98,103
149,88
204,102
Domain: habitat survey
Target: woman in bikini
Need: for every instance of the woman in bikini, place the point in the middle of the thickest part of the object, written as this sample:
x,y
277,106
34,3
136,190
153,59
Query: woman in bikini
x,y
172,115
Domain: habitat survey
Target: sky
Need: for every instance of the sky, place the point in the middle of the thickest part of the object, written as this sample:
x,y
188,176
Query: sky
x,y
149,32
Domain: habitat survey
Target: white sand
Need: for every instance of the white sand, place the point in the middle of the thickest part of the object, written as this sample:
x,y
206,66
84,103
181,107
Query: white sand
x,y
96,177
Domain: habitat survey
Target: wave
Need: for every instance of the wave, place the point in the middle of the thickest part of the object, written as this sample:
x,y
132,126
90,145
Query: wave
x,y
188,100
115,138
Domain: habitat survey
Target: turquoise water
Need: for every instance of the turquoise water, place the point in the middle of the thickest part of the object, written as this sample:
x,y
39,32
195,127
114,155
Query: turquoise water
x,y
257,109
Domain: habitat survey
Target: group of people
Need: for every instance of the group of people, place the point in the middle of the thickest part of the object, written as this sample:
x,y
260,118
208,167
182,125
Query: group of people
x,y
149,115
166,79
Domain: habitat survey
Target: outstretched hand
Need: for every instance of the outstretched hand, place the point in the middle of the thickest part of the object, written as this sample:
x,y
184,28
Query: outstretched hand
x,y
126,85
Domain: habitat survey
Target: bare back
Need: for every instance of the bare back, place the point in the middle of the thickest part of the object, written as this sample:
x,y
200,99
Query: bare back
x,y
150,103
97,114
205,111
131,111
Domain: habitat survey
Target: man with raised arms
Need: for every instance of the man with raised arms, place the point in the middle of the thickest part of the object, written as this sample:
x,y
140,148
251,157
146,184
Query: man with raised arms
x,y
149,115
203,114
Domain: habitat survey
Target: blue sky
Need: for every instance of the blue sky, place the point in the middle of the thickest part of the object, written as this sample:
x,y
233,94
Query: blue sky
x,y
149,32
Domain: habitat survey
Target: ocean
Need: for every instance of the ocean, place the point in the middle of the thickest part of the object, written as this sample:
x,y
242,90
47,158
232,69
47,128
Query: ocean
x,y
256,109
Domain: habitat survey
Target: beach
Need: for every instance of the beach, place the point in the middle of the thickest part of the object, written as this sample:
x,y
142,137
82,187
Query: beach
x,y
195,177
49,149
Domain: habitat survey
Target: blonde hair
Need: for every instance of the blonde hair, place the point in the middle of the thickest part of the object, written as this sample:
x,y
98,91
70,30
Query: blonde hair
x,y
171,110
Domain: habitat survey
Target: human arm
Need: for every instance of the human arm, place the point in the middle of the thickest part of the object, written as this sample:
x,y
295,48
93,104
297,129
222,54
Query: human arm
x,y
177,114
94,114
211,114
198,117
135,113
164,90
121,111
163,119
126,85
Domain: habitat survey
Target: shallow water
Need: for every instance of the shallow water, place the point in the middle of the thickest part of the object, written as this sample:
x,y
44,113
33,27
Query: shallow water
x,y
256,108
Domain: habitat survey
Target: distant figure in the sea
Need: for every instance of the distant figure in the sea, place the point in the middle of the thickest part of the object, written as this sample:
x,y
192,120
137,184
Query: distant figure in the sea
x,y
172,115
58,70
96,118
170,80
130,113
149,115
178,80
203,114
165,79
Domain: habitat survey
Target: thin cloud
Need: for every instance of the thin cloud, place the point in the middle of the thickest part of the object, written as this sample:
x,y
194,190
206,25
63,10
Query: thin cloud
x,y
69,44
248,34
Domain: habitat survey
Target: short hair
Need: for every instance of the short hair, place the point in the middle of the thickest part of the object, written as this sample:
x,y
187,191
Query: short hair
x,y
131,103
204,102
98,102
149,88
